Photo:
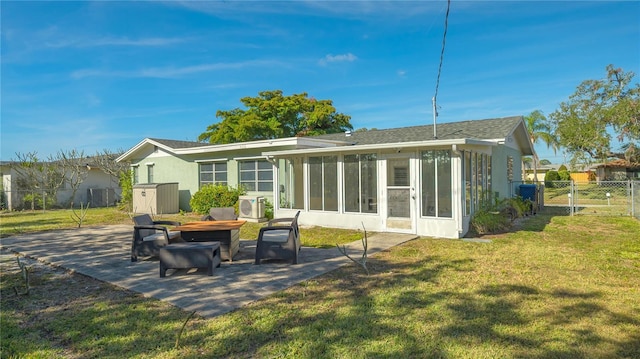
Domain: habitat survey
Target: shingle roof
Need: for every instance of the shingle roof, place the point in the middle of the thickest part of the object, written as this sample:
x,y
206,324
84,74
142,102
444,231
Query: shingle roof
x,y
488,129
179,144
622,163
479,129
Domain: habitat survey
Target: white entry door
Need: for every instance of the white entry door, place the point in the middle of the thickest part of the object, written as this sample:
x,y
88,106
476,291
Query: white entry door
x,y
400,193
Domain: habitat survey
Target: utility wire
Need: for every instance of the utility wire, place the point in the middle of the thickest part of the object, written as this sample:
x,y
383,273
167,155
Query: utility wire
x,y
444,39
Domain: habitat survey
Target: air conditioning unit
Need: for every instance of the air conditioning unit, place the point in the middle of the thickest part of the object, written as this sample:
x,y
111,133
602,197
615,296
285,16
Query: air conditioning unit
x,y
251,207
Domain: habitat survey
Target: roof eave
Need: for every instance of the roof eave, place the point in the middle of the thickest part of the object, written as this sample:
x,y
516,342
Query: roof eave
x,y
125,156
288,141
377,146
304,142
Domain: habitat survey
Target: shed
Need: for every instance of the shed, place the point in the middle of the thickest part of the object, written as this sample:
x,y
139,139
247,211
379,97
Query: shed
x,y
156,198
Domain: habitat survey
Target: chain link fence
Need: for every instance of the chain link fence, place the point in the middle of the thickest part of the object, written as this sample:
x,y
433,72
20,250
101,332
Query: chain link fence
x,y
599,198
44,199
635,199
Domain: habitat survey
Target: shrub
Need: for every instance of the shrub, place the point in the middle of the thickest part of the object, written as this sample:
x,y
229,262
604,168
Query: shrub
x,y
522,206
3,199
215,195
564,175
552,176
268,209
511,208
549,177
484,222
562,168
126,183
498,217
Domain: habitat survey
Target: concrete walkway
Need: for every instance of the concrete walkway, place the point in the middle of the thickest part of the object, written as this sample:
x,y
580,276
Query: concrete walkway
x,y
104,254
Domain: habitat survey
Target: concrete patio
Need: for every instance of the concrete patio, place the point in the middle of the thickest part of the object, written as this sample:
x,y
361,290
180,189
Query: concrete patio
x,y
104,254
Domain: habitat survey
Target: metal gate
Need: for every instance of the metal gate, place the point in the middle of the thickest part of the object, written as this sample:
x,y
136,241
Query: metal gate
x,y
603,198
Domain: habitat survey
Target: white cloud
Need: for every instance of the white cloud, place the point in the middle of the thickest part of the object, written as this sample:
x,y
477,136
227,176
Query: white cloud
x,y
111,41
359,9
402,73
172,71
349,57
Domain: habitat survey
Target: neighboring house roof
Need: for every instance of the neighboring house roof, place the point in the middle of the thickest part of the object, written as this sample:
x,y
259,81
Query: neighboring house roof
x,y
550,167
487,132
544,168
621,163
89,160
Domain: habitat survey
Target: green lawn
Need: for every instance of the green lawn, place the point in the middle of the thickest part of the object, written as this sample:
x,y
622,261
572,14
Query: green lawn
x,y
561,287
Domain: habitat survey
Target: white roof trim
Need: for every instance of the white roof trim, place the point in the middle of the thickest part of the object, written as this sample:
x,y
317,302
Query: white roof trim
x,y
289,141
352,148
264,144
250,158
135,148
212,160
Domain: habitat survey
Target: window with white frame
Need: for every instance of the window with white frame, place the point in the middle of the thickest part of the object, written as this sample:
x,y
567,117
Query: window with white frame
x,y
489,181
256,175
213,173
476,172
150,173
467,171
436,183
291,183
360,183
323,183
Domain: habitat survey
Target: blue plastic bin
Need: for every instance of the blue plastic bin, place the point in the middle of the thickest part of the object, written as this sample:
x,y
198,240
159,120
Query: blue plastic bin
x,y
528,191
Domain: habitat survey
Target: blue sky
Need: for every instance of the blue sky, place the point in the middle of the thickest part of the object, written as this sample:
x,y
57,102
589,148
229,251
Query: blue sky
x,y
105,75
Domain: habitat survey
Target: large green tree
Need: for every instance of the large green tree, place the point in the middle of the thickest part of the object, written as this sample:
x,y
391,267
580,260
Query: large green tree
x,y
273,115
597,111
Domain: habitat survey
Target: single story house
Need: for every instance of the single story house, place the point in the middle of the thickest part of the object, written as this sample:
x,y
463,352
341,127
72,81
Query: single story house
x,y
541,171
98,189
411,179
618,170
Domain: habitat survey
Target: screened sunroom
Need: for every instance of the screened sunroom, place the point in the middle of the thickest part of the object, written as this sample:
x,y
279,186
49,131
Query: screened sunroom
x,y
427,191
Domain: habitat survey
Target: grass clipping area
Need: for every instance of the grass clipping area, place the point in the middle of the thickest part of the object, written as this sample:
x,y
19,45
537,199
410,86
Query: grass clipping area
x,y
558,287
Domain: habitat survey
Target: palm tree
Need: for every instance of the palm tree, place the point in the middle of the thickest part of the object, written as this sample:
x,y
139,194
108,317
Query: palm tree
x,y
539,129
526,164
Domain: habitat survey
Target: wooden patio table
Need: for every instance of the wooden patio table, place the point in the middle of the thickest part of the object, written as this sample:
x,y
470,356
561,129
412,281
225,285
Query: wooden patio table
x,y
226,232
